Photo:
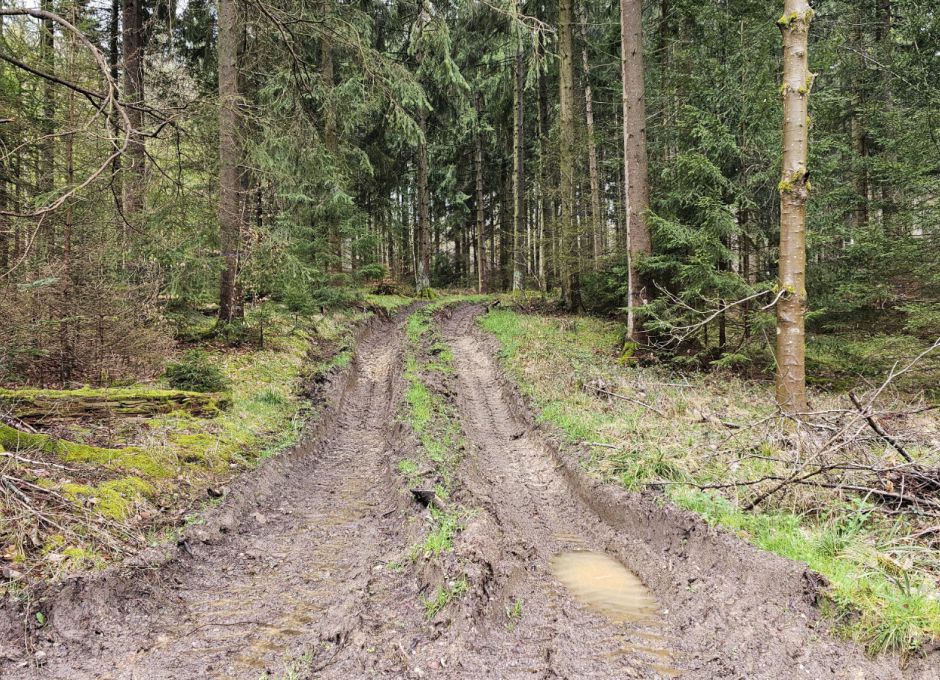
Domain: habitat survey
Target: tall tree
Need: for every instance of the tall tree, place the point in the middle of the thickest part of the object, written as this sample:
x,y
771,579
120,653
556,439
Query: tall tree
x,y
229,214
794,192
478,168
47,168
571,287
423,268
636,165
132,45
597,221
518,156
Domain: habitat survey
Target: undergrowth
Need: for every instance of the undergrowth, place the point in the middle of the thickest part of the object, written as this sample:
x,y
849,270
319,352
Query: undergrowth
x,y
882,575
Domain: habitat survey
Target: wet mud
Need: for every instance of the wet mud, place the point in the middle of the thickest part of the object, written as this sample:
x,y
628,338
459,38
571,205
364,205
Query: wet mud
x,y
303,571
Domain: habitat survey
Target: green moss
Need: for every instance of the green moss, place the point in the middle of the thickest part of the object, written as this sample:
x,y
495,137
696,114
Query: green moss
x,y
390,303
115,498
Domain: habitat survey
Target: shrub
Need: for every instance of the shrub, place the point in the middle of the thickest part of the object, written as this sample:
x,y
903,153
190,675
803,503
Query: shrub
x,y
196,373
372,272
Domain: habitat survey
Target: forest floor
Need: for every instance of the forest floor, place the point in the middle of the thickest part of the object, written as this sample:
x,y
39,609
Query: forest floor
x,y
321,563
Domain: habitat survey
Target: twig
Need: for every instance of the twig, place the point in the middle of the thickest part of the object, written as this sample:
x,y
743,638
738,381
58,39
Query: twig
x,y
638,402
876,426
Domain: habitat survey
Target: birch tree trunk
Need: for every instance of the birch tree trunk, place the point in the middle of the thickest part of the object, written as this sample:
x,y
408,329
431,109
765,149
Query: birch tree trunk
x,y
636,167
229,214
794,192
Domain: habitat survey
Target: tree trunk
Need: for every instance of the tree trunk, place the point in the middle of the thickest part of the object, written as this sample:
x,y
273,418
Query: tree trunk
x,y
47,164
857,130
571,294
114,55
518,187
478,163
506,212
794,192
597,225
636,169
544,206
133,57
423,264
331,141
229,217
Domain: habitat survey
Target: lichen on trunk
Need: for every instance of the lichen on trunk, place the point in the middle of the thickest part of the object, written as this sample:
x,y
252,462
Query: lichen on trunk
x,y
794,193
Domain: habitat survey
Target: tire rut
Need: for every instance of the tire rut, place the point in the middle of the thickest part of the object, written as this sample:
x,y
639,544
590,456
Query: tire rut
x,y
298,576
726,609
301,567
518,484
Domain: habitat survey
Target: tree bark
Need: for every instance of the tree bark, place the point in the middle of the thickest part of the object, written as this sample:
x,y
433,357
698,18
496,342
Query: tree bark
x,y
114,55
47,163
794,193
518,159
571,293
544,205
331,140
636,167
423,264
478,166
597,222
133,58
229,215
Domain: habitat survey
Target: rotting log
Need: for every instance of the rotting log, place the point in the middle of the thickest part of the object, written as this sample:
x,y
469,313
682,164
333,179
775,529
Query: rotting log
x,y
35,406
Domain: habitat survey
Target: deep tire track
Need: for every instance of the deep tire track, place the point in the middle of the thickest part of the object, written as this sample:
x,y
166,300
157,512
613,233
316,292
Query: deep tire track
x,y
297,561
728,610
297,576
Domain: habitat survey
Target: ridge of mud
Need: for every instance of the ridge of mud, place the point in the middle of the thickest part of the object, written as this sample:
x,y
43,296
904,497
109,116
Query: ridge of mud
x,y
734,610
71,604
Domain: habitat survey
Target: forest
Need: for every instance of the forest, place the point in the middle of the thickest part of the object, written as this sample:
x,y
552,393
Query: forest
x,y
693,247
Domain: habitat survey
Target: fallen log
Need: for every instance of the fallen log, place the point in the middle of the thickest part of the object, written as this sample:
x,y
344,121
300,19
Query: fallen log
x,y
38,407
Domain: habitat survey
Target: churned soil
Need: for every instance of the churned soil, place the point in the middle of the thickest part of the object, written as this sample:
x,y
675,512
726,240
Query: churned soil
x,y
303,571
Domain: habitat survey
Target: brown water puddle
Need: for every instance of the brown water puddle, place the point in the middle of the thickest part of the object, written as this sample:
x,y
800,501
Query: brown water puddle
x,y
605,586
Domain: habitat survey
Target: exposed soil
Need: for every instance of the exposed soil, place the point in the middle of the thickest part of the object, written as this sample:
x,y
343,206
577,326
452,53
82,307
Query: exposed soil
x,y
298,568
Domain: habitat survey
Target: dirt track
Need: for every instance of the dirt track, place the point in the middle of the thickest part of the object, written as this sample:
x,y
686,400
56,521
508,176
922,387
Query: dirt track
x,y
300,560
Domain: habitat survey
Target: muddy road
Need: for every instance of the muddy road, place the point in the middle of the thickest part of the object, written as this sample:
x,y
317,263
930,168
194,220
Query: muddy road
x,y
304,570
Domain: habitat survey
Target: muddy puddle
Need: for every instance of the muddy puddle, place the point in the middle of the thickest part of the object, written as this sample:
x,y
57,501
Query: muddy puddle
x,y
605,586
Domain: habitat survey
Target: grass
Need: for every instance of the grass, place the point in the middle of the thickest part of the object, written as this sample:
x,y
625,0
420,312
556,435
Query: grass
x,y
139,474
514,613
444,595
433,419
883,582
441,537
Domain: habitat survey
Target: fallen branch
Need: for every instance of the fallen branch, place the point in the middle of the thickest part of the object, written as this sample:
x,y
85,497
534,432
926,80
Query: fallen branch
x,y
33,407
638,402
876,426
